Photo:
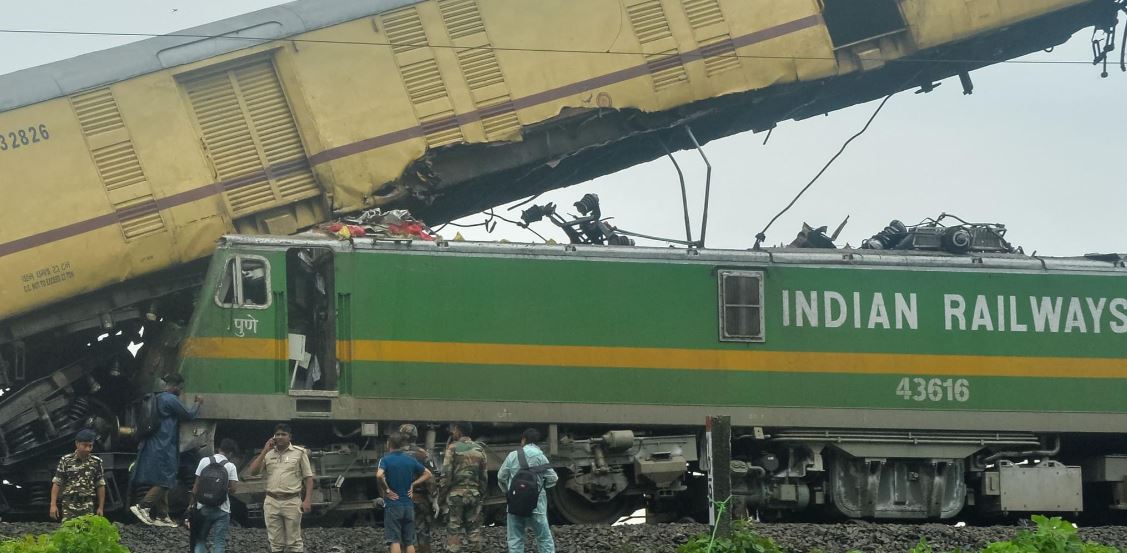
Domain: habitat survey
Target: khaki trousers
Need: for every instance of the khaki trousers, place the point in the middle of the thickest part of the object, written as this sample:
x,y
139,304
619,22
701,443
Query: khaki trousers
x,y
283,524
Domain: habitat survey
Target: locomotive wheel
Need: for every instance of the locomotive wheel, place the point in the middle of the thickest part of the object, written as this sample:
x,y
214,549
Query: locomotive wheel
x,y
575,509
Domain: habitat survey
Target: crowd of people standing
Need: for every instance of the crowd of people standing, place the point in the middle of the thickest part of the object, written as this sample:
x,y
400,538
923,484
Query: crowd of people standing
x,y
411,494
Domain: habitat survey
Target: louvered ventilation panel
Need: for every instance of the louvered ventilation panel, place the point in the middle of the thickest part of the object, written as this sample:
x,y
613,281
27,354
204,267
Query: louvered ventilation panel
x,y
251,138
462,18
480,68
97,112
116,161
702,13
423,81
663,59
719,55
421,77
405,31
274,127
712,35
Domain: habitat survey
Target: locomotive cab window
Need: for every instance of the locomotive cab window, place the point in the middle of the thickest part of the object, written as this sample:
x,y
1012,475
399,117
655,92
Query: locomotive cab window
x,y
245,283
741,306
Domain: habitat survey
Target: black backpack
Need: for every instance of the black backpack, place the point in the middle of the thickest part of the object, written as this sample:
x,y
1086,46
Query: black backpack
x,y
213,483
524,489
148,416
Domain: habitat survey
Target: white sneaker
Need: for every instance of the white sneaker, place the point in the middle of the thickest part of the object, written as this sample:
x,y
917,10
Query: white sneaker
x,y
166,521
142,514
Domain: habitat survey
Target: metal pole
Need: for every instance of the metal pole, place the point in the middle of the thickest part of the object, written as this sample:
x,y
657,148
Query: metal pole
x,y
707,184
684,195
720,474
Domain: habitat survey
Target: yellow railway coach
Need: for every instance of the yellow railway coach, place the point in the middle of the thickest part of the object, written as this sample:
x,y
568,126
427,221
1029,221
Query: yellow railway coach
x,y
143,155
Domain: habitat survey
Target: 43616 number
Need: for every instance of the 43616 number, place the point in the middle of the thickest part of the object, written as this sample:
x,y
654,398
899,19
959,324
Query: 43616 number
x,y
14,140
933,389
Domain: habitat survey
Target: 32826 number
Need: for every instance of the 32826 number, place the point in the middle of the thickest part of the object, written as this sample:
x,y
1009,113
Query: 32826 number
x,y
934,389
14,140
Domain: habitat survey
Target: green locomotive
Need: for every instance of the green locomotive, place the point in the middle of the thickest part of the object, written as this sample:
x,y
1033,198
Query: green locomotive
x,y
874,384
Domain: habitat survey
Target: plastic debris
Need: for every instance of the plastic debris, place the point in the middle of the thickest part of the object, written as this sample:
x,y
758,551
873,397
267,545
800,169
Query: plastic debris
x,y
376,223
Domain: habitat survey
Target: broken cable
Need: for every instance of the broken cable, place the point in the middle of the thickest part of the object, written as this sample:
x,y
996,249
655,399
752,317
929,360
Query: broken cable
x,y
759,238
517,223
524,201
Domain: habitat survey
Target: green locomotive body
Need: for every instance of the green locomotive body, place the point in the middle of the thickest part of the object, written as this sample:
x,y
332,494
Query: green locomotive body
x,y
885,384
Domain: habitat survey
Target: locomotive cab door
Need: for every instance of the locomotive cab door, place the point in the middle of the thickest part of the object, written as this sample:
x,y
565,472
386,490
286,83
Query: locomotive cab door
x,y
311,333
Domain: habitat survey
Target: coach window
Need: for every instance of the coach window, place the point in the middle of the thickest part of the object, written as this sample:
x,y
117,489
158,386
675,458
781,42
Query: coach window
x,y
741,306
853,21
245,283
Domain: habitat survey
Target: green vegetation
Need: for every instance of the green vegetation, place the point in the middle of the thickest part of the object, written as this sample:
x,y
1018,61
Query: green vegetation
x,y
743,540
88,534
1053,535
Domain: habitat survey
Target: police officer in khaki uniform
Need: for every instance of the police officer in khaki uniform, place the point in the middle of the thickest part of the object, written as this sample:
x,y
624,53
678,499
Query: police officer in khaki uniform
x,y
287,473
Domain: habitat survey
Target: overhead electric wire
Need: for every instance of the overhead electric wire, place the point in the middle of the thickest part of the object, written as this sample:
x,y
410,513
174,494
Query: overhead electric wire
x,y
524,201
491,215
517,223
759,238
517,49
481,224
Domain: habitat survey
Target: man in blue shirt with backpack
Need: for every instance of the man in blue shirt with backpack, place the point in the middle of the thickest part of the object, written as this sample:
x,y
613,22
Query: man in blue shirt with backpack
x,y
399,472
523,477
215,482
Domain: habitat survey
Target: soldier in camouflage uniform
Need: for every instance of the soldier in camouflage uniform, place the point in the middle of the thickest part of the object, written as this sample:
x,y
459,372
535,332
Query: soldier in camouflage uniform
x,y
424,493
79,485
464,480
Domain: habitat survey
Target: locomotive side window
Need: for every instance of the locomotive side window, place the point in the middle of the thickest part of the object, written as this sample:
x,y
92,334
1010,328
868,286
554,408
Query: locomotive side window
x,y
245,283
741,306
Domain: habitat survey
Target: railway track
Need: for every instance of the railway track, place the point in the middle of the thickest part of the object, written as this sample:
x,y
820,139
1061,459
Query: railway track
x,y
664,538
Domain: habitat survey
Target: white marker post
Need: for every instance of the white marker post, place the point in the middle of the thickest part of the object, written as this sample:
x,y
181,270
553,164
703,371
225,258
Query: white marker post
x,y
718,449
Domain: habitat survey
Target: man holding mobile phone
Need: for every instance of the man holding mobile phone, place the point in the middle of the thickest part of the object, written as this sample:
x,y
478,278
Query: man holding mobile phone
x,y
288,473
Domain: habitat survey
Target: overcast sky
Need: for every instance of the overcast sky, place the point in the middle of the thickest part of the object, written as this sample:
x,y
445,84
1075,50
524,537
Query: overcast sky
x,y
1040,148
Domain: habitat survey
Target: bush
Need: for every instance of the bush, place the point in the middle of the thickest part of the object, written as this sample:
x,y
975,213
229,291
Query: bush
x,y
1053,535
743,540
87,534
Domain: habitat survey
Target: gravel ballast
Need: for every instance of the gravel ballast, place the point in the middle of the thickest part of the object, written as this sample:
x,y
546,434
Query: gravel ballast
x,y
663,538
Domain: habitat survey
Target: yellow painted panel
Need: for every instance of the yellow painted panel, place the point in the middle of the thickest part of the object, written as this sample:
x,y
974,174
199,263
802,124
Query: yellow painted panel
x,y
167,145
933,23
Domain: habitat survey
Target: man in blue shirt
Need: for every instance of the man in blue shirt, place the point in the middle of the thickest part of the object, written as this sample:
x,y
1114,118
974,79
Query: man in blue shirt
x,y
539,520
399,472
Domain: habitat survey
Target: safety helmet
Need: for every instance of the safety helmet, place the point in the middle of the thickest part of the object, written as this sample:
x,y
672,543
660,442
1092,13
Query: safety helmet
x,y
410,430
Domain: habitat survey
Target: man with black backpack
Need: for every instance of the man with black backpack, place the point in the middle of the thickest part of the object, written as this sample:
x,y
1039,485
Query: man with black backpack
x,y
159,457
523,477
215,482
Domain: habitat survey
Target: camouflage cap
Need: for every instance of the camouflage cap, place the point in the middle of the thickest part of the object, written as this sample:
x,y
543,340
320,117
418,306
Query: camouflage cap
x,y
409,430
